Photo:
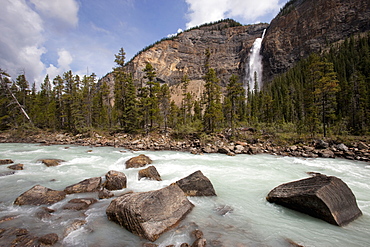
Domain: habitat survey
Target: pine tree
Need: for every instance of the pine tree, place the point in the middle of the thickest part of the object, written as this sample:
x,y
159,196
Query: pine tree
x,y
213,116
234,102
153,90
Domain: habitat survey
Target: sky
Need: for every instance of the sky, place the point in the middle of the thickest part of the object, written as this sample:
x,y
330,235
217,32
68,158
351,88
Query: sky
x,y
40,37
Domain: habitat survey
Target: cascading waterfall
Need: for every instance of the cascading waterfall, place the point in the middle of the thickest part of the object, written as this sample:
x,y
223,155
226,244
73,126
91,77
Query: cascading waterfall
x,y
255,65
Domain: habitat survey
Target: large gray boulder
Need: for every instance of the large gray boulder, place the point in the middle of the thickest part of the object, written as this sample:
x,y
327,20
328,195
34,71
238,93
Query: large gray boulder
x,y
138,161
39,195
196,184
149,173
87,185
324,197
115,180
149,214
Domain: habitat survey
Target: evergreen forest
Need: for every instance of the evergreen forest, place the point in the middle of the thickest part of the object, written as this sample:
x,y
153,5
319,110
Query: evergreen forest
x,y
323,95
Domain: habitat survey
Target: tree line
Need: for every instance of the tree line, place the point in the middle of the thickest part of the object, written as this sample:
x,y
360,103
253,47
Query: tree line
x,y
322,94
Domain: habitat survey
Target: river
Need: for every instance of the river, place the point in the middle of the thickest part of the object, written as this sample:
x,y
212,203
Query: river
x,y
238,216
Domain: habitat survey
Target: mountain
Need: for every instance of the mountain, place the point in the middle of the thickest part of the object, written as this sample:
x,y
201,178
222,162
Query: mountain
x,y
306,26
301,28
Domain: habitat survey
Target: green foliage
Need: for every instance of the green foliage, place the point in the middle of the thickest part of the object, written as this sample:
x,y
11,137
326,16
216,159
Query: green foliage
x,y
322,95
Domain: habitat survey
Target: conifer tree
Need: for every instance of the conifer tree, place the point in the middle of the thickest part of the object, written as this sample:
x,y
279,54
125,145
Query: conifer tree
x,y
213,116
153,90
234,102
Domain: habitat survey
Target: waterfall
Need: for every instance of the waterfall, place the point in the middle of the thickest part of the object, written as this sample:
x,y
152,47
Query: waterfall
x,y
255,64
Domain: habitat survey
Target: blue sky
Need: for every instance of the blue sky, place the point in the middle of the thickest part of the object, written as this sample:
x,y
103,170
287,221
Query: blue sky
x,y
42,37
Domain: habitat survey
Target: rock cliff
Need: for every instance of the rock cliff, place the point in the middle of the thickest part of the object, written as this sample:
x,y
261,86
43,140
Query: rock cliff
x,y
301,27
185,53
306,26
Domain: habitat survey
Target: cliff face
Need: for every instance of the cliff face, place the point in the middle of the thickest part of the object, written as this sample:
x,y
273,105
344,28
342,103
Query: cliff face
x,y
306,26
185,53
302,27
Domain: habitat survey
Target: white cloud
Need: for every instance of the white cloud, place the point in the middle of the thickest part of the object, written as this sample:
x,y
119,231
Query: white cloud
x,y
174,34
64,61
204,11
21,39
63,11
24,30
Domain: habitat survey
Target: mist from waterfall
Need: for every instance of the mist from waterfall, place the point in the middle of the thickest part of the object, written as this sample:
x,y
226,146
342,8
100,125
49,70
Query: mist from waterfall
x,y
254,70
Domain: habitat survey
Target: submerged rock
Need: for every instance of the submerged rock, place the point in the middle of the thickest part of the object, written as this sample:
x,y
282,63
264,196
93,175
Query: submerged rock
x,y
149,214
150,173
6,161
79,203
87,185
196,184
52,162
115,180
16,167
324,197
77,224
105,194
138,161
39,195
7,173
49,239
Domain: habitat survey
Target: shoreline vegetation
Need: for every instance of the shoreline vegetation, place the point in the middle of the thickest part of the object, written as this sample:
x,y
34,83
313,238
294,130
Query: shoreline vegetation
x,y
251,142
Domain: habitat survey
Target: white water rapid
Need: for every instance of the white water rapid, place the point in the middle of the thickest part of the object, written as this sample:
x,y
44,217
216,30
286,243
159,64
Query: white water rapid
x,y
255,65
241,183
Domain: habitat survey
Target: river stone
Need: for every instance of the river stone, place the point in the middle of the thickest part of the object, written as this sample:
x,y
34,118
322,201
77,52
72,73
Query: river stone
x,y
196,184
87,185
52,162
49,239
138,161
39,195
105,194
16,167
324,197
115,180
149,214
6,161
150,173
7,173
79,203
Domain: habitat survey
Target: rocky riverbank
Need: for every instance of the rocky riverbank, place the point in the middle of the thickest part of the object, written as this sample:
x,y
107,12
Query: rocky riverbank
x,y
217,144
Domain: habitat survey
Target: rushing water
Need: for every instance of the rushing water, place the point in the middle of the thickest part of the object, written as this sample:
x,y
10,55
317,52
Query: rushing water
x,y
241,183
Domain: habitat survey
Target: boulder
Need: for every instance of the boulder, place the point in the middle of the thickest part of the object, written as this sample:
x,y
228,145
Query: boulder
x,y
115,180
7,173
321,144
105,194
6,161
87,185
324,197
138,161
77,224
16,167
52,162
200,242
342,147
326,153
79,203
49,239
150,173
149,214
362,146
196,184
44,213
39,195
